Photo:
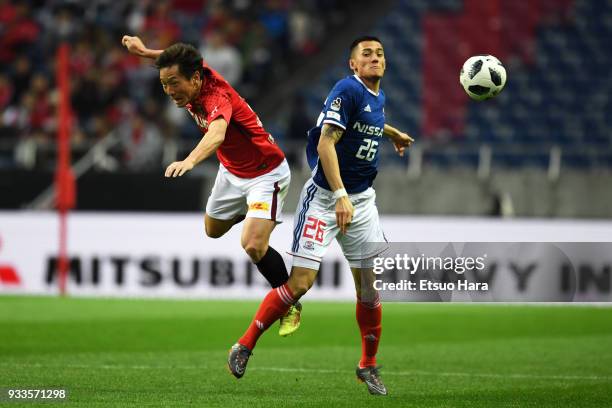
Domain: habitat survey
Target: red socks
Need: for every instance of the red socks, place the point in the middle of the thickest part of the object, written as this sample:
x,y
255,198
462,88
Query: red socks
x,y
273,307
277,302
369,318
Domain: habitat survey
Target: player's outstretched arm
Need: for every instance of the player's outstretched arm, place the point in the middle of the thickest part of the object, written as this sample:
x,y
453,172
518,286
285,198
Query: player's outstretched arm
x,y
400,139
207,146
330,135
135,46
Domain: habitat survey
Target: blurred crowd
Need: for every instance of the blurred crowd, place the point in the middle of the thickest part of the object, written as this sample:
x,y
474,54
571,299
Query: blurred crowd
x,y
250,42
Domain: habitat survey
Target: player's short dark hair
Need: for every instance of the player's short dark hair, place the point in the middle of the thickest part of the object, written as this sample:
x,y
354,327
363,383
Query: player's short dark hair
x,y
187,57
361,39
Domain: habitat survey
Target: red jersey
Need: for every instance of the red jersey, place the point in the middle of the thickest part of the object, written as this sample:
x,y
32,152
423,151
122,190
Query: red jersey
x,y
248,150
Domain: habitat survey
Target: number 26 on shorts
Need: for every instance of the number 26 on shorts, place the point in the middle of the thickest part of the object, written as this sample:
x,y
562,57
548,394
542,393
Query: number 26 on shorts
x,y
313,229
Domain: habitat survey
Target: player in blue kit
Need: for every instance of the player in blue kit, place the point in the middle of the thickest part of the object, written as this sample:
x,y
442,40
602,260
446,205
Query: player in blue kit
x,y
338,202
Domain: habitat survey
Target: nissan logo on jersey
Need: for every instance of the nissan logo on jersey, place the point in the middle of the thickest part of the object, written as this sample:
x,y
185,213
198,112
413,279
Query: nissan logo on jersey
x,y
368,129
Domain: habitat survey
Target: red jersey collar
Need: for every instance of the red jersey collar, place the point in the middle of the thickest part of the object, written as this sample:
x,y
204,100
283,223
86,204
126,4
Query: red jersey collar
x,y
205,81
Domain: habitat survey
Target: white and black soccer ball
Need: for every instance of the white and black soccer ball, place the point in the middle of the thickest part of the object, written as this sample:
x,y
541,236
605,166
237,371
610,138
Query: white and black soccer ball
x,y
482,77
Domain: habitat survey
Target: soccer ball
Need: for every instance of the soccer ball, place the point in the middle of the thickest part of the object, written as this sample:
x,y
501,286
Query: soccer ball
x,y
482,77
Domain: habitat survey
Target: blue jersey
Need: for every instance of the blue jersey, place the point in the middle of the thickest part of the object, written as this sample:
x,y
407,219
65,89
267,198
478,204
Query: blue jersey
x,y
360,112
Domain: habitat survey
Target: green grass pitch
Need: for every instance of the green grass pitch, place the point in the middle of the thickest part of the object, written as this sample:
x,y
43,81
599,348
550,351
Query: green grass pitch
x,y
173,353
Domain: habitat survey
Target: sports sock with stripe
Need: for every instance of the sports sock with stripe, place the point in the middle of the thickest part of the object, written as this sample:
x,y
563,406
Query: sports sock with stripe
x,y
273,307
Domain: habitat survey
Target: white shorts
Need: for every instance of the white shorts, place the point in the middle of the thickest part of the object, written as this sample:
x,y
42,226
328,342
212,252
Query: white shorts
x,y
259,197
314,228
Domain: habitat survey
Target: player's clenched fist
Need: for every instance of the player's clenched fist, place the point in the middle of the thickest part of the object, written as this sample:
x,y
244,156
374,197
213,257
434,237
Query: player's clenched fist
x,y
134,45
178,168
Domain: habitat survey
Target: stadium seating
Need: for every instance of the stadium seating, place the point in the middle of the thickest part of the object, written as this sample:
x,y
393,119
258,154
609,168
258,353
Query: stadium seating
x,y
558,93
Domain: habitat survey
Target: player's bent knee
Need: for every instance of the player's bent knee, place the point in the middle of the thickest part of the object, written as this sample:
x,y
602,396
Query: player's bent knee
x,y
255,250
216,228
213,232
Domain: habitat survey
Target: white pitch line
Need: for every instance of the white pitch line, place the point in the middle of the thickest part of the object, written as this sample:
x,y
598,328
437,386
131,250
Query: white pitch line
x,y
414,373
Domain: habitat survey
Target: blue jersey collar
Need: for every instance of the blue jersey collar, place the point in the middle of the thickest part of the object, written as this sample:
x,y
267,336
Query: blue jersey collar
x,y
364,85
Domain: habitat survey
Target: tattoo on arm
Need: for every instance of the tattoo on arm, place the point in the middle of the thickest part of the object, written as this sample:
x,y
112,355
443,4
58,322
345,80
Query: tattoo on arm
x,y
333,132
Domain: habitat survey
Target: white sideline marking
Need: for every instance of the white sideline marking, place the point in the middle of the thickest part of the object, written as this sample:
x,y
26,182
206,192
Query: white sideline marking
x,y
414,373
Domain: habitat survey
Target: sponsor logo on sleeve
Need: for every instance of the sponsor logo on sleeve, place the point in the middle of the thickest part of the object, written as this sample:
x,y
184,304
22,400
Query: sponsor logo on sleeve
x,y
333,115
